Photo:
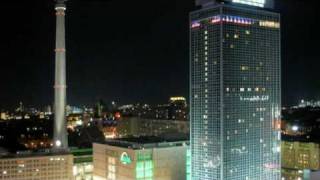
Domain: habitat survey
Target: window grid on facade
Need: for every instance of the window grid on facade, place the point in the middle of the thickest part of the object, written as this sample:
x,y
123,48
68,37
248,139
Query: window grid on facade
x,y
235,77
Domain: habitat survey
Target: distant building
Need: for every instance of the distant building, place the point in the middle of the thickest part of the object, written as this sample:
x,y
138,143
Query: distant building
x,y
73,110
301,124
36,167
140,158
299,158
20,108
3,116
179,101
177,109
149,127
74,120
3,152
311,103
48,110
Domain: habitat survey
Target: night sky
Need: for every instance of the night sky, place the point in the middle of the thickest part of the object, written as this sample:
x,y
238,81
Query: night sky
x,y
131,51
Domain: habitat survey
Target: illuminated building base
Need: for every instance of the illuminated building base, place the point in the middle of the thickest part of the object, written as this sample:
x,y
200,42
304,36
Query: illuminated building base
x,y
125,160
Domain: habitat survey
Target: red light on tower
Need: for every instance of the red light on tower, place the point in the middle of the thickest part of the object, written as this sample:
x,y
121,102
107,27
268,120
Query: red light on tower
x,y
117,115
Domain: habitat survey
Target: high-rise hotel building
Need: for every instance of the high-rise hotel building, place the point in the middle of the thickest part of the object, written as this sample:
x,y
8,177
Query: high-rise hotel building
x,y
235,90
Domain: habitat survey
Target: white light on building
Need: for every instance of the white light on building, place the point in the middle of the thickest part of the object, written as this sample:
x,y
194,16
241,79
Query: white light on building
x,y
295,128
58,143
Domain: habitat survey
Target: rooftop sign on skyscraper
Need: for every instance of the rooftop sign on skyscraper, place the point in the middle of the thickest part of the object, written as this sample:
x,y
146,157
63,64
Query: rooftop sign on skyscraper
x,y
259,3
256,3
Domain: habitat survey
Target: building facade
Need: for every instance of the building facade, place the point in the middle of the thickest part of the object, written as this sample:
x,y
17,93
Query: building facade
x,y
299,158
140,161
82,164
37,167
133,126
235,93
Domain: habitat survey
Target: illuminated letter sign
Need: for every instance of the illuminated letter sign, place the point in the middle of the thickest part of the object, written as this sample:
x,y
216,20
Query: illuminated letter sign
x,y
254,98
270,24
259,3
125,158
195,25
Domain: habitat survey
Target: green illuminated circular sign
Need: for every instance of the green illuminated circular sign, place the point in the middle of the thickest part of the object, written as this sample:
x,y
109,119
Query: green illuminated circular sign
x,y
125,158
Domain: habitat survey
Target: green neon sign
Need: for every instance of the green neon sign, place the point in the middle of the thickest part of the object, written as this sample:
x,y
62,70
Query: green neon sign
x,y
125,158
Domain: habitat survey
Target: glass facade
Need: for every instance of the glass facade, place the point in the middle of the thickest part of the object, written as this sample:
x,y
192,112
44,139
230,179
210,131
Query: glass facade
x,y
235,93
188,164
144,166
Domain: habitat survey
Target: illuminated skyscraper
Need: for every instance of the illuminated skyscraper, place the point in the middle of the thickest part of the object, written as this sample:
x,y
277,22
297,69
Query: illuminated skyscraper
x,y
60,128
235,91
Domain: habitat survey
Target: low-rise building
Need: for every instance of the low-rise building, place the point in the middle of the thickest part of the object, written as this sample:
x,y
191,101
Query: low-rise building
x,y
140,158
300,155
299,159
43,166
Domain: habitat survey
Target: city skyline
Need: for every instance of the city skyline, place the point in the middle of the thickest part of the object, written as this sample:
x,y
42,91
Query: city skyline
x,y
174,90
99,68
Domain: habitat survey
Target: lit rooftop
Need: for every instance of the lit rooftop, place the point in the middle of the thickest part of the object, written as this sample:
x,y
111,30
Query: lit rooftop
x,y
28,154
149,142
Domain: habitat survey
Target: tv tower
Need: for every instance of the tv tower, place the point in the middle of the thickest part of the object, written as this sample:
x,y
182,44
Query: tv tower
x,y
60,129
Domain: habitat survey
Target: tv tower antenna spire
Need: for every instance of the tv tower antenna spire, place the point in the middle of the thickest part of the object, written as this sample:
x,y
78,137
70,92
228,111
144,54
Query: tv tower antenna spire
x,y
60,128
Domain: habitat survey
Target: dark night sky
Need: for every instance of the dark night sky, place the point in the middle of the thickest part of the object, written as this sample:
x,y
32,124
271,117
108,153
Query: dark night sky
x,y
131,51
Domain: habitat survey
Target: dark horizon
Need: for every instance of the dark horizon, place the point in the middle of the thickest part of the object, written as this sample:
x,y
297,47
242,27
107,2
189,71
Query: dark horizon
x,y
127,52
